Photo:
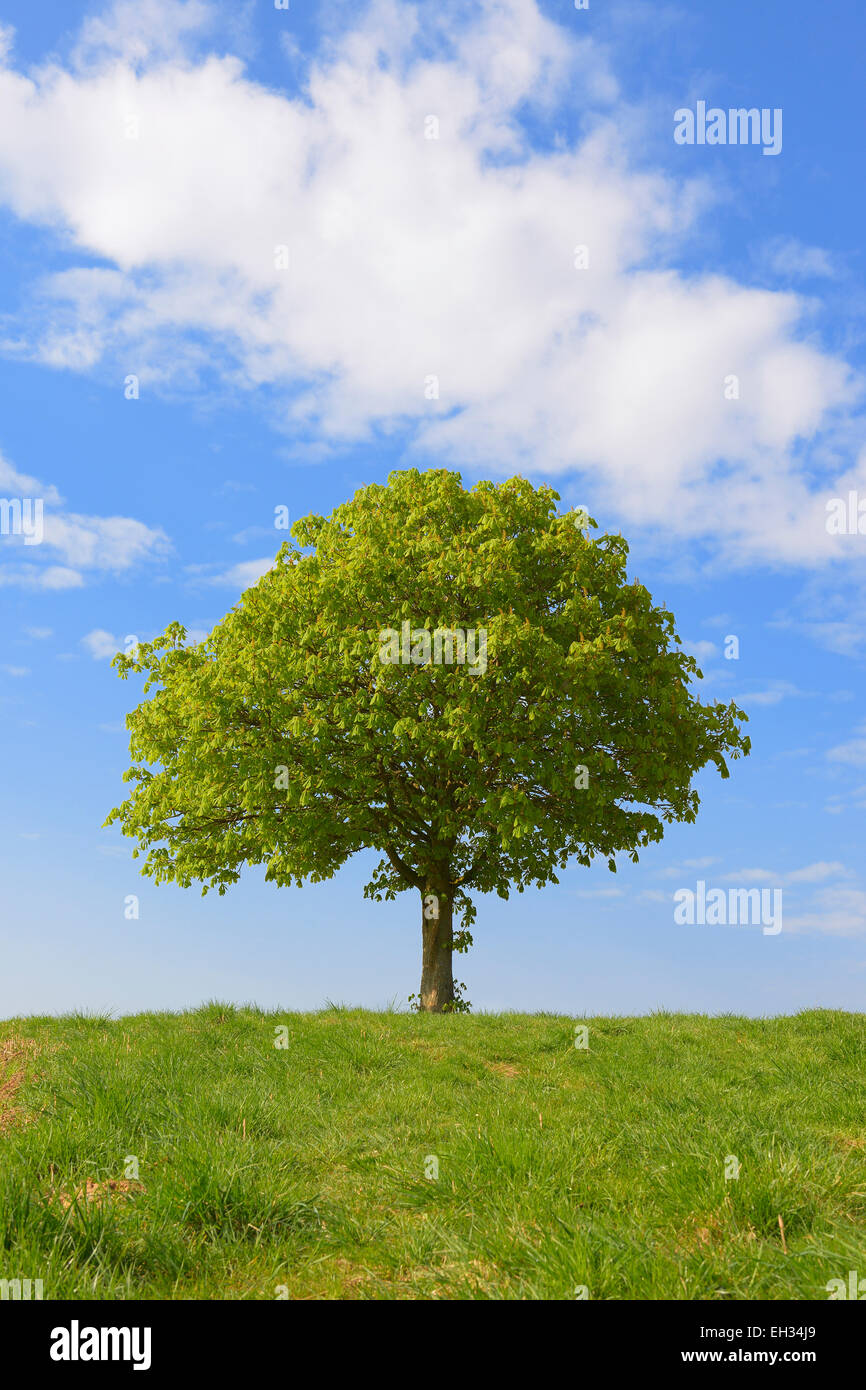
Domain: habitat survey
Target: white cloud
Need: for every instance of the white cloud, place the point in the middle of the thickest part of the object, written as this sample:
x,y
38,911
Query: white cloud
x,y
98,544
810,873
16,670
243,575
701,649
791,258
840,912
101,644
39,634
101,542
852,752
32,577
411,258
816,873
137,29
15,484
775,692
251,533
831,609
679,870
752,876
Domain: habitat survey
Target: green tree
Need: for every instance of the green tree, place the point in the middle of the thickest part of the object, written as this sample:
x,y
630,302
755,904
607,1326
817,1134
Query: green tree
x,y
299,733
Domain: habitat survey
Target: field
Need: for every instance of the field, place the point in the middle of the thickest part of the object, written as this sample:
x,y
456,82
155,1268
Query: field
x,y
310,1170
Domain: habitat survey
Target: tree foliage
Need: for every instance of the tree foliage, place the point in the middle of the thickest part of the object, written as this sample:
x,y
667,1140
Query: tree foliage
x,y
283,739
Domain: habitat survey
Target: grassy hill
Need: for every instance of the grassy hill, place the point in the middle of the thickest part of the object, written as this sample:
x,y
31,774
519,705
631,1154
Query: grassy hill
x,y
302,1171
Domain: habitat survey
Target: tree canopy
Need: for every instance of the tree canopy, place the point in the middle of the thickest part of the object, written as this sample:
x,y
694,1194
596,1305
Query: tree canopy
x,y
330,712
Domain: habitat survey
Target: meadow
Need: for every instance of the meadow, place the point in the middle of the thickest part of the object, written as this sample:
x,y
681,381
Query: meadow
x,y
231,1153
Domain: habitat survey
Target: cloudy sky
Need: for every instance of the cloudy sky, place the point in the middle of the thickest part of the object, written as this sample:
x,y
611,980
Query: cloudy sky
x,y
255,257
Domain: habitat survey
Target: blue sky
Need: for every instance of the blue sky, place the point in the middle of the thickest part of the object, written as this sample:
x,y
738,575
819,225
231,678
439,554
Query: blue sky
x,y
152,156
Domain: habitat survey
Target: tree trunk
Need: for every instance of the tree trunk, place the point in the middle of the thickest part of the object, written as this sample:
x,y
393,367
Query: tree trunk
x,y
437,979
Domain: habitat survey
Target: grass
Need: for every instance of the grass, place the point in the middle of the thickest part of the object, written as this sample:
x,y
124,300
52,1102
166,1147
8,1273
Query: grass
x,y
300,1172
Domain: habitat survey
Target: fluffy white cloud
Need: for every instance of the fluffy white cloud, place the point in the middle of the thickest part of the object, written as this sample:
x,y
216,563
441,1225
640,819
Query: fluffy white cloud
x,y
810,873
137,29
101,644
411,259
775,692
108,544
101,542
853,751
839,912
831,608
242,575
15,484
704,651
31,576
791,258
678,870
816,873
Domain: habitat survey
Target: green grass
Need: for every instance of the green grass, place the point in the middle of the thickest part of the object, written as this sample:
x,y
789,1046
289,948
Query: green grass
x,y
558,1167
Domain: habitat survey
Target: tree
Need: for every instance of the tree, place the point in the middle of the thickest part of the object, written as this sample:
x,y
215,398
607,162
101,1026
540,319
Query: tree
x,y
462,680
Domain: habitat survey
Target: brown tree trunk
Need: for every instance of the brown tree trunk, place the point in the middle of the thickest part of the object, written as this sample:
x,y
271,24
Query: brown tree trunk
x,y
437,979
